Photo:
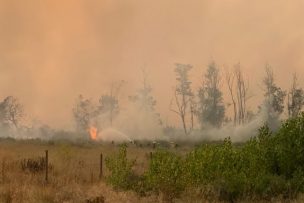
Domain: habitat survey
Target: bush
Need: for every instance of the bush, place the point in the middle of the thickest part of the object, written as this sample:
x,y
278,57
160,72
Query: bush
x,y
33,165
289,146
122,176
218,166
165,174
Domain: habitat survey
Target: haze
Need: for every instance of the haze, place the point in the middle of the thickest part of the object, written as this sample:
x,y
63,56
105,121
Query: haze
x,y
51,51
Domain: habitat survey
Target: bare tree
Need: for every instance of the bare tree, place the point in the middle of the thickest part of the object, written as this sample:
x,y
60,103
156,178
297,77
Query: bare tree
x,y
182,94
11,112
242,94
193,110
295,101
238,90
230,77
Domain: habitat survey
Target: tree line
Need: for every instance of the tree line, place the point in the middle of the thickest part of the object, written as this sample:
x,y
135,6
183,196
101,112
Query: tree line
x,y
207,104
204,106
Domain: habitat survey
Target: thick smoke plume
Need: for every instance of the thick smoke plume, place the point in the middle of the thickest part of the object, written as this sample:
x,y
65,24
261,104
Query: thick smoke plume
x,y
134,124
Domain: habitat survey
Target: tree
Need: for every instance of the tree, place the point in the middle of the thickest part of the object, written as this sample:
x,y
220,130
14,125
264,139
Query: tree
x,y
182,94
211,108
230,77
11,112
295,99
144,97
83,113
238,90
108,103
109,106
274,95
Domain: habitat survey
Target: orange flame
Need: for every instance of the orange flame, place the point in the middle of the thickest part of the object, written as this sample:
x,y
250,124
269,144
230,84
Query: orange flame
x,y
93,133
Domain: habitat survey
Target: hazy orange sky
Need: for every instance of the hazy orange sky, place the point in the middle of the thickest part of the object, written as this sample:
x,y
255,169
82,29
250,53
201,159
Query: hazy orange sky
x,y
53,50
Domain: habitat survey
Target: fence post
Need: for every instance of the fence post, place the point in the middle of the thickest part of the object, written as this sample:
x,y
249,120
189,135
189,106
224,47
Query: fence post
x,y
100,167
3,170
46,165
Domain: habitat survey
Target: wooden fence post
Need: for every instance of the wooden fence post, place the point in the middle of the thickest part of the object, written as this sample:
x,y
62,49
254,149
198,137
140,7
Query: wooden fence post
x,y
3,170
46,165
100,167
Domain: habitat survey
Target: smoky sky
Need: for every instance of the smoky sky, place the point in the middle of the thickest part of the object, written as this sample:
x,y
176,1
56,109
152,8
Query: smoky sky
x,y
53,50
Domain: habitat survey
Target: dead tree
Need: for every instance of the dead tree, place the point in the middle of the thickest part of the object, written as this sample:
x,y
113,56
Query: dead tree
x,y
238,90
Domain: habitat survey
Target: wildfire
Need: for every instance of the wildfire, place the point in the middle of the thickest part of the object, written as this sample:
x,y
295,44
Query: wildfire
x,y
93,133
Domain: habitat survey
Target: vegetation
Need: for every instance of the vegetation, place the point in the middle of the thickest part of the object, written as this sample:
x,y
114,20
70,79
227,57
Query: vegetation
x,y
211,109
267,166
183,96
295,100
274,95
238,90
73,172
11,113
121,169
83,113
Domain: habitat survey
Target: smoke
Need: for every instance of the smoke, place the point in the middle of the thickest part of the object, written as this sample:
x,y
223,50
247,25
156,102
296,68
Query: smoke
x,y
59,49
133,123
237,133
112,134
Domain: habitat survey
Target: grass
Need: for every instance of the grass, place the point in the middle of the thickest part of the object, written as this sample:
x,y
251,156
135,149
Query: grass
x,y
74,176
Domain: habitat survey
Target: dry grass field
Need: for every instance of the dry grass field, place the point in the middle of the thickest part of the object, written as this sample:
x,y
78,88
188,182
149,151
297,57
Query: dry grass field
x,y
73,172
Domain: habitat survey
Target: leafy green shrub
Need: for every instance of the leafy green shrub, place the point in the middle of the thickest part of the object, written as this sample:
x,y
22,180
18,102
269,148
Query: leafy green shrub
x,y
122,176
208,162
289,146
165,174
219,166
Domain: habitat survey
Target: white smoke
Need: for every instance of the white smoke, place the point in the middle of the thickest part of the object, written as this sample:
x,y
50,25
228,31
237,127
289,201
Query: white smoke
x,y
131,124
111,134
237,133
135,124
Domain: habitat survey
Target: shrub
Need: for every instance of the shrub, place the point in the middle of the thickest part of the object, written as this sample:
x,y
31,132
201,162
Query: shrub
x,y
218,166
289,146
165,174
208,162
33,165
122,176
99,199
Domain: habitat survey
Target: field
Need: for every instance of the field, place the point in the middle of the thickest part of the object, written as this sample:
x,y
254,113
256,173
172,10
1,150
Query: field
x,y
74,169
73,174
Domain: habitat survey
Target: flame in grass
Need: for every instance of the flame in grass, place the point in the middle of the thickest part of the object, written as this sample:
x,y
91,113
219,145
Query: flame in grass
x,y
93,133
